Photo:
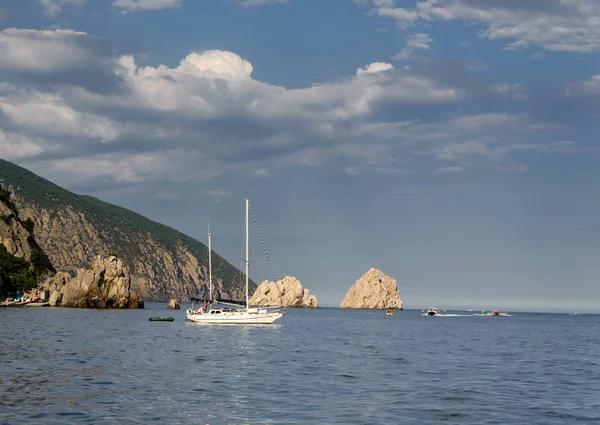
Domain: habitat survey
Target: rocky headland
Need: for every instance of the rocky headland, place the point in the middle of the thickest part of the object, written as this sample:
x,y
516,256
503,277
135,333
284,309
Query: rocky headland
x,y
72,229
374,291
287,292
106,284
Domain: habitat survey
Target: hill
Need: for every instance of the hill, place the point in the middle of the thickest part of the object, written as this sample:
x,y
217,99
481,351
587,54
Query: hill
x,y
73,228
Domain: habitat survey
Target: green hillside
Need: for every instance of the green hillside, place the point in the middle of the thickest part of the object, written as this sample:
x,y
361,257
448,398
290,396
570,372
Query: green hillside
x,y
115,223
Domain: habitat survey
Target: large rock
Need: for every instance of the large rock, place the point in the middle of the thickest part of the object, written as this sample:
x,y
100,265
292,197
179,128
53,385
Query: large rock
x,y
287,292
375,291
173,305
106,284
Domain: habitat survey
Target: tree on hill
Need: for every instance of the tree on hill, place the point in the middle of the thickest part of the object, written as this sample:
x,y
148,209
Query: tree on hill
x,y
16,274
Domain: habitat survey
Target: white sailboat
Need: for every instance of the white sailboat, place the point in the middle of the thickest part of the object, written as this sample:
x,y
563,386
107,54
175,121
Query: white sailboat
x,y
234,314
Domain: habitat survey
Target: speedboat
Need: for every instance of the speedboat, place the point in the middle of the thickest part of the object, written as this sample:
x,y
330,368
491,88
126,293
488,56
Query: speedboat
x,y
432,311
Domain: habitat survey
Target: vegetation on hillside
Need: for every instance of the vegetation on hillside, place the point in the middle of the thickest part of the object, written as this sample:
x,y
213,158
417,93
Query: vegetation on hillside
x,y
16,275
114,223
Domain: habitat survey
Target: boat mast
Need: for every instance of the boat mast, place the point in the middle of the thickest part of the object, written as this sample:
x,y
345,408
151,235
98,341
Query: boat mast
x,y
209,268
246,226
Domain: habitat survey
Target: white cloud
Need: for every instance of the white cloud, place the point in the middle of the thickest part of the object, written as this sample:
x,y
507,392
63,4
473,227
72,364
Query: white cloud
x,y
445,170
207,116
558,25
54,7
261,172
589,88
47,114
44,50
139,5
374,67
15,146
414,42
168,165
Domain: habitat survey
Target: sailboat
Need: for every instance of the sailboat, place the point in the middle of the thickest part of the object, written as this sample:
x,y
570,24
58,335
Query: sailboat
x,y
233,314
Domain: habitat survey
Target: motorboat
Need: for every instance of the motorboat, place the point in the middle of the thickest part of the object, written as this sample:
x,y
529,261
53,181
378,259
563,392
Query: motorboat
x,y
432,311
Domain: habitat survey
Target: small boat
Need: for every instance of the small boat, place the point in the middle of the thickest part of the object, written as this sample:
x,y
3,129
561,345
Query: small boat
x,y
162,319
389,313
432,311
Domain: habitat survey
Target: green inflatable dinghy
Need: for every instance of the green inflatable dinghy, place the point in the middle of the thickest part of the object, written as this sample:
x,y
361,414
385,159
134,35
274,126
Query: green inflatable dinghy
x,y
162,319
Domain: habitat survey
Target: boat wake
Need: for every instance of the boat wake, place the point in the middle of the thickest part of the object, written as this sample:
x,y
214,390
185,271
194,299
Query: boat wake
x,y
491,314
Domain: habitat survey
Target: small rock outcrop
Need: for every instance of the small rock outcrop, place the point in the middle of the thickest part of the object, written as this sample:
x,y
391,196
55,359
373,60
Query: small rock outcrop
x,y
106,284
173,305
374,291
287,292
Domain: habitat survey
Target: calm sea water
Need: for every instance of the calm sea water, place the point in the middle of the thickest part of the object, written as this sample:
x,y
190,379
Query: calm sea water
x,y
324,366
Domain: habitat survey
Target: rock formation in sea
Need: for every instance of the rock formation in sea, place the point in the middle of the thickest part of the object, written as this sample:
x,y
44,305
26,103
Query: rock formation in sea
x,y
375,291
287,292
106,284
173,305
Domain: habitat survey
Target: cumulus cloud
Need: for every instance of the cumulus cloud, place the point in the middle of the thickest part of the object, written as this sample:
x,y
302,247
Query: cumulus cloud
x,y
374,67
55,57
207,116
557,25
414,42
139,5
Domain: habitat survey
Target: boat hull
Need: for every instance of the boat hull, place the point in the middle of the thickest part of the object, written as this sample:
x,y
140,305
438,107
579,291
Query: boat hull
x,y
234,318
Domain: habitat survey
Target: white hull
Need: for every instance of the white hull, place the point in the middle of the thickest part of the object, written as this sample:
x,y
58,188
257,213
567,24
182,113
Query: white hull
x,y
251,317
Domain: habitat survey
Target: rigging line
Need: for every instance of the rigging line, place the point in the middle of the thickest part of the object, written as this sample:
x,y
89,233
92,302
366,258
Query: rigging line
x,y
259,272
265,249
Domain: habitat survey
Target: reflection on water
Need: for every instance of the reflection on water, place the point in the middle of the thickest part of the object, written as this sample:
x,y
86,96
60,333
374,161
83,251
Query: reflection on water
x,y
320,366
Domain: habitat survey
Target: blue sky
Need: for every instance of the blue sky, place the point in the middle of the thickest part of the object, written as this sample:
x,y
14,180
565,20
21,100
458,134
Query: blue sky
x,y
450,143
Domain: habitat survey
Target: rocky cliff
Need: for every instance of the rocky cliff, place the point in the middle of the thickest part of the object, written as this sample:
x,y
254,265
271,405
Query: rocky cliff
x,y
17,238
287,292
375,291
106,284
73,229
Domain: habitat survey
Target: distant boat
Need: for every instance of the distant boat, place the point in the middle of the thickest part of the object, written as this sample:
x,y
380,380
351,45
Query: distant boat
x,y
161,319
234,315
432,311
389,313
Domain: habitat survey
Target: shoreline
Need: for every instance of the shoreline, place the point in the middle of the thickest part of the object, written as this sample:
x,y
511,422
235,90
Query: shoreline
x,y
24,304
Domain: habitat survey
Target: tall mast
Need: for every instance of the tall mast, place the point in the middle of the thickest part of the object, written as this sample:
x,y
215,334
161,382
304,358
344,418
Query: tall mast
x,y
209,268
247,205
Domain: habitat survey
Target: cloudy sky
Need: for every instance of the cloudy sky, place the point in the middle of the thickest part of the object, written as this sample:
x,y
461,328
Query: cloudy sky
x,y
450,143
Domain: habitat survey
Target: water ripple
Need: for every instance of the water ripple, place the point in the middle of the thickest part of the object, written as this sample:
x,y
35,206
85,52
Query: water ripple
x,y
325,366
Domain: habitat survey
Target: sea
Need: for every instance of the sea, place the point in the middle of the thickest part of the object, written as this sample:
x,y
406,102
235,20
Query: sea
x,y
318,366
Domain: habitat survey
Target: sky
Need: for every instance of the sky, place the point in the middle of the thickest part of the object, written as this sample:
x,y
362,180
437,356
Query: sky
x,y
451,144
